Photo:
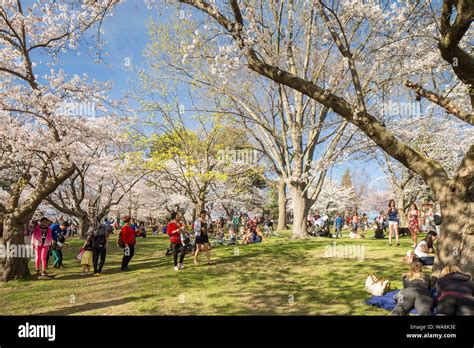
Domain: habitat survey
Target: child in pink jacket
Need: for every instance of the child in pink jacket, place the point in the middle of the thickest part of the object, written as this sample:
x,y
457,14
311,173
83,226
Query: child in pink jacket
x,y
41,239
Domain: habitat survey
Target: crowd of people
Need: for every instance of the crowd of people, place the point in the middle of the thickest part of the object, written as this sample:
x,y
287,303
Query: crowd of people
x,y
49,239
454,289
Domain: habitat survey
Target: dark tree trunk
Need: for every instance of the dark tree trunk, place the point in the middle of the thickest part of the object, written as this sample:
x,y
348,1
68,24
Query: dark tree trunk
x,y
14,234
84,225
456,240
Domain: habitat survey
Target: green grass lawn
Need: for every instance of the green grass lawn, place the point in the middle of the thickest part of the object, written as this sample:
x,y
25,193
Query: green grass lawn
x,y
280,276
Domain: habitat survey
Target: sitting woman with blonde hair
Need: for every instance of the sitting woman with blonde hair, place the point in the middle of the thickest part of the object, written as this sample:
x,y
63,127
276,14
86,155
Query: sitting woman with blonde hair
x,y
455,292
416,292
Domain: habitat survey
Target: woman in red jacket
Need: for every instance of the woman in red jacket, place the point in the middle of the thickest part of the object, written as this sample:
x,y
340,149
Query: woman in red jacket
x,y
174,229
128,237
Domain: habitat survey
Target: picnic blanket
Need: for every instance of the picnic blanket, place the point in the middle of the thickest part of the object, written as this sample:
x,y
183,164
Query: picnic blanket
x,y
388,302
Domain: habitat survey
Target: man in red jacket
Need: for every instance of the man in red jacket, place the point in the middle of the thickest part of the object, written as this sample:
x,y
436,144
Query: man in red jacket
x,y
128,237
174,229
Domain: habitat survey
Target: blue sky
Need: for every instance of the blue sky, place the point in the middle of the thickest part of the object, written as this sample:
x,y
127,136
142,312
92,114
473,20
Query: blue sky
x,y
127,36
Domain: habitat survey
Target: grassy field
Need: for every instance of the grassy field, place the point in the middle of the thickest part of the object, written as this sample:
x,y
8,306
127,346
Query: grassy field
x,y
280,276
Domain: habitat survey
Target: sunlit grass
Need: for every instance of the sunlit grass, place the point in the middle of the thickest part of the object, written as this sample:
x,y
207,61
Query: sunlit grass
x,y
280,276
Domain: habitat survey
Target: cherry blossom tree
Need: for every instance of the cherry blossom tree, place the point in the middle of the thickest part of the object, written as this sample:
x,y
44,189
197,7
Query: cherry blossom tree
x,y
101,181
366,36
296,134
40,138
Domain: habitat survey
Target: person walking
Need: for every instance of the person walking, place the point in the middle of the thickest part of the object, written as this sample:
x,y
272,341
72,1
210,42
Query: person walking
x,y
338,223
392,214
201,227
100,241
174,230
41,240
128,237
355,222
413,222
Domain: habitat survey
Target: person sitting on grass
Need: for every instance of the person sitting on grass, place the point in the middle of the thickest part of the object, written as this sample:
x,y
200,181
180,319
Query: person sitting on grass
x,y
86,260
416,292
258,236
455,292
220,233
247,237
232,236
243,231
424,250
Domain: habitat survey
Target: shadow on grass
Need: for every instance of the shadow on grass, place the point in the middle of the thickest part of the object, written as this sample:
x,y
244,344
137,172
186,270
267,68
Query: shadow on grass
x,y
92,306
135,266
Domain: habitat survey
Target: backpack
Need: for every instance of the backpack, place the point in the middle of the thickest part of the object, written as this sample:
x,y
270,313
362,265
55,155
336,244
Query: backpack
x,y
120,242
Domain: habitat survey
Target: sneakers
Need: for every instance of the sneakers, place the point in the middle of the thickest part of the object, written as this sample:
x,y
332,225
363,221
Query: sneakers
x,y
176,268
181,266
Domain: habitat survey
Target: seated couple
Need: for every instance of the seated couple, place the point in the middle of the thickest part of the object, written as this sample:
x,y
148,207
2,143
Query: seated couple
x,y
454,290
255,236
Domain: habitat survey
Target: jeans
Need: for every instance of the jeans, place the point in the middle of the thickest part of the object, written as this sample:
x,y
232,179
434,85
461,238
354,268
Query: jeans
x,y
58,258
427,260
101,252
127,257
410,298
178,248
455,305
338,232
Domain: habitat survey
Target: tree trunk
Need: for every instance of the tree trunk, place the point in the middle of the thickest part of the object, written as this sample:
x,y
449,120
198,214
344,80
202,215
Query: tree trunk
x,y
456,239
281,205
14,234
401,212
1,225
301,207
84,225
200,205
